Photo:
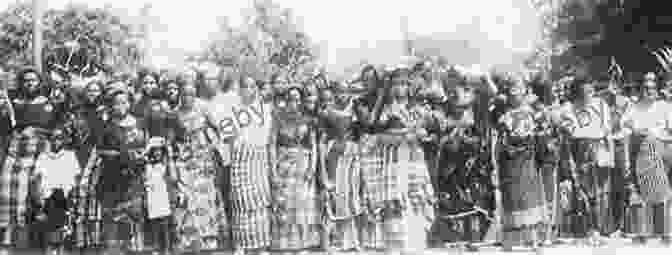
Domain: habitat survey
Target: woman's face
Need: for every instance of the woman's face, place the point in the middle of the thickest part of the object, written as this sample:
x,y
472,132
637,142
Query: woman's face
x,y
93,92
370,80
266,92
400,93
310,103
328,99
649,90
121,104
461,95
586,91
172,90
31,81
518,92
248,88
293,100
57,140
282,81
149,85
188,94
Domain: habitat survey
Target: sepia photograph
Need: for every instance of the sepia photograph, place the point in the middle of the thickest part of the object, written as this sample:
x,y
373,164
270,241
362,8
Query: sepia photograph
x,y
316,127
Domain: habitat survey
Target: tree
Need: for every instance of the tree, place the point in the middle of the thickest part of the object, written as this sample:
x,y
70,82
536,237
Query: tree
x,y
592,32
78,40
269,41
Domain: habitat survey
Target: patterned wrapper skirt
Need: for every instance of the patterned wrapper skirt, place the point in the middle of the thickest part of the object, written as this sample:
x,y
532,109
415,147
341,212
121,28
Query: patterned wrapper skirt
x,y
15,177
373,165
522,196
296,222
200,216
652,217
121,195
250,197
619,195
407,194
87,225
343,167
596,184
549,156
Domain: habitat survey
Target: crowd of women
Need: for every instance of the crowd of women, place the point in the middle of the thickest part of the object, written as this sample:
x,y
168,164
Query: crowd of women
x,y
395,160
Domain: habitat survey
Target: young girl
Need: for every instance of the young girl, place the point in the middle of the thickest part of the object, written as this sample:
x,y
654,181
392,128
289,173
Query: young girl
x,y
55,175
158,174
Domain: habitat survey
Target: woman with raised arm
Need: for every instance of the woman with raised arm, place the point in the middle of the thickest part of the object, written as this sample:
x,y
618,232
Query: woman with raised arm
x,y
463,176
367,110
407,192
519,177
296,216
35,115
648,121
588,130
340,174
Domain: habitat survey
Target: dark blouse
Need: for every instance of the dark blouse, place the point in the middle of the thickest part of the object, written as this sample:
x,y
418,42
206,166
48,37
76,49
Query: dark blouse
x,y
363,109
39,113
294,130
127,138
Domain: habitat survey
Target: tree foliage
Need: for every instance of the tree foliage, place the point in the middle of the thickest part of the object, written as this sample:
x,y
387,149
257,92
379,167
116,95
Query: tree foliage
x,y
77,40
588,33
269,41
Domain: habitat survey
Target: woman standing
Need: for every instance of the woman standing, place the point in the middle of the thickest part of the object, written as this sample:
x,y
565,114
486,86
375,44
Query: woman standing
x,y
408,195
296,223
35,116
648,120
589,128
520,180
367,110
147,92
118,175
88,125
249,190
340,174
198,214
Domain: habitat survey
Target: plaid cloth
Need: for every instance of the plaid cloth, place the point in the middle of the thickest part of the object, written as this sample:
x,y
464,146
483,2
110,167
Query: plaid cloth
x,y
345,173
249,196
249,178
372,163
372,185
251,229
297,220
653,216
17,170
650,219
654,185
522,194
87,225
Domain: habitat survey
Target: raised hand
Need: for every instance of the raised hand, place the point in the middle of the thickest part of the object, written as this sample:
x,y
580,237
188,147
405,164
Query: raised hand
x,y
664,57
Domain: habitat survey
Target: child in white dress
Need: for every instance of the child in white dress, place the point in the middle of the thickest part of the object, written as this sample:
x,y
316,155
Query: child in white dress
x,y
158,177
55,177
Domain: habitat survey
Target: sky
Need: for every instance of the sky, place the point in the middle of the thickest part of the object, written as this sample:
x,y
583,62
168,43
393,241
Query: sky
x,y
349,30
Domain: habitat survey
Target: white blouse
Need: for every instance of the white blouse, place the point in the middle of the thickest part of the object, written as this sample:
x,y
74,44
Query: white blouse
x,y
57,171
588,121
657,119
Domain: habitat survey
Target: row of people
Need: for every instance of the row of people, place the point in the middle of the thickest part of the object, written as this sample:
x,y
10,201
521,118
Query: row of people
x,y
335,166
